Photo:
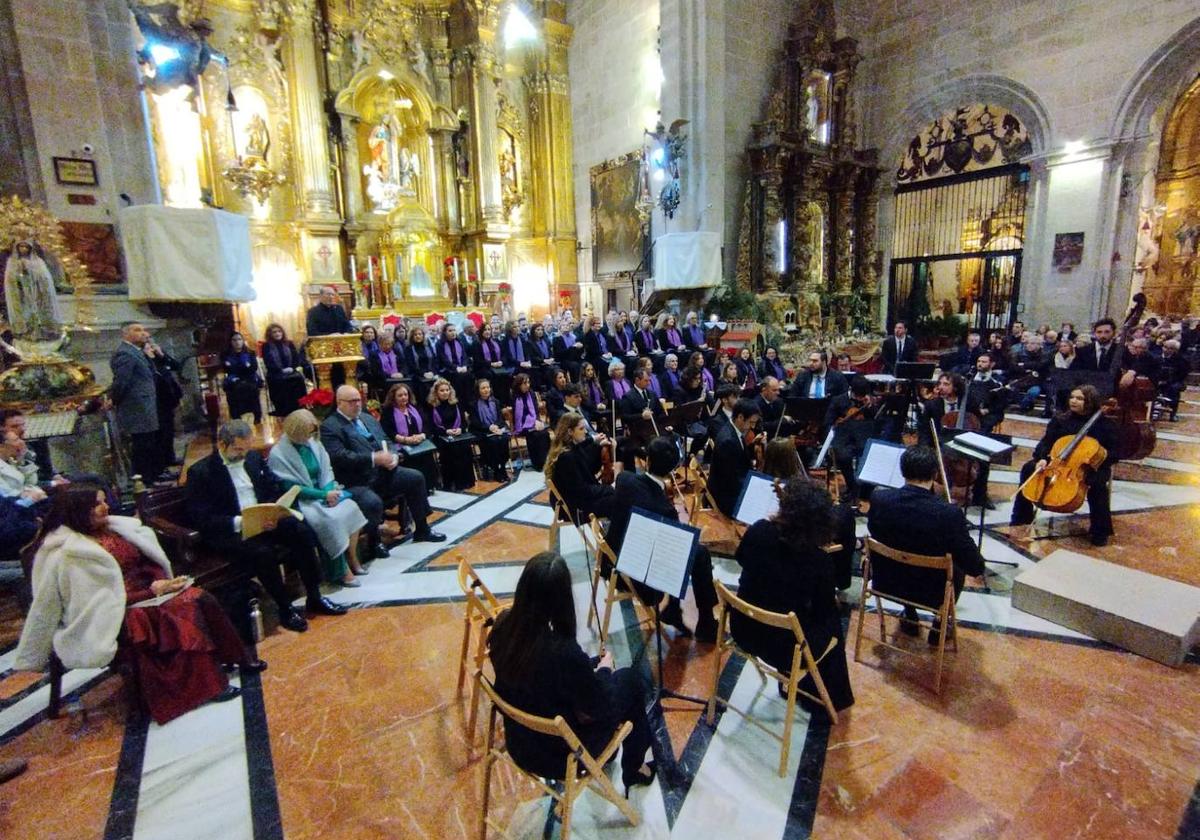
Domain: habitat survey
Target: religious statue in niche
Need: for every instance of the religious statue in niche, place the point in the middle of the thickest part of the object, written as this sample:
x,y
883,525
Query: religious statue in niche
x,y
29,294
159,23
258,137
393,170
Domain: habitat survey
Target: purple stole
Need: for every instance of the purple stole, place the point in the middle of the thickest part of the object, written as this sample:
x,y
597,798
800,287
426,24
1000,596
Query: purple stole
x,y
595,393
708,377
622,340
516,349
777,367
543,348
620,387
568,338
697,335
388,362
674,337
674,377
488,415
524,413
407,424
450,353
441,424
648,339
603,344
491,350
654,386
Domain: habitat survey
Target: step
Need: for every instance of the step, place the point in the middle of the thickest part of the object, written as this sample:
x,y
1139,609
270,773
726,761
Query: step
x,y
1140,612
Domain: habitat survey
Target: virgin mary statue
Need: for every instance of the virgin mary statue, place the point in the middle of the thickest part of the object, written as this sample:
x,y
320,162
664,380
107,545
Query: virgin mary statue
x,y
29,295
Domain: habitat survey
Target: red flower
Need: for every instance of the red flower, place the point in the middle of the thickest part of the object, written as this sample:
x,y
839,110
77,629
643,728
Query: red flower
x,y
448,261
317,398
504,288
471,278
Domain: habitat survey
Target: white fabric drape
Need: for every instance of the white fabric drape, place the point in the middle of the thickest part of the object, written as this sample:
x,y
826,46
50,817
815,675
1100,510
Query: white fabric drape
x,y
687,260
180,254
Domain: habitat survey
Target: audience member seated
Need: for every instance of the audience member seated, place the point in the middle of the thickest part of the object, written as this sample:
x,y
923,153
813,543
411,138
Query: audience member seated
x,y
819,381
449,426
90,572
487,424
385,367
915,519
404,423
527,421
771,365
785,569
19,524
285,371
572,465
732,457
365,465
421,361
18,474
242,381
235,477
541,669
299,459
1172,376
647,490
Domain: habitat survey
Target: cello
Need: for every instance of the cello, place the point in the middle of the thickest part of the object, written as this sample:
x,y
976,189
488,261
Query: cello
x,y
1060,486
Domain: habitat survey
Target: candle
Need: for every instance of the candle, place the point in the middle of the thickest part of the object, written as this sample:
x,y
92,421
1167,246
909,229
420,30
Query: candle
x,y
353,273
479,269
383,263
454,265
371,270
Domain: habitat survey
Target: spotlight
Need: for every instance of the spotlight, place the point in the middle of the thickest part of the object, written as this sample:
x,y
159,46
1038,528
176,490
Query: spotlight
x,y
658,157
162,53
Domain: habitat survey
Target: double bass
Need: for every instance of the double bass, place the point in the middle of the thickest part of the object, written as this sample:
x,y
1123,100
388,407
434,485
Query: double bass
x,y
961,472
1061,485
1130,409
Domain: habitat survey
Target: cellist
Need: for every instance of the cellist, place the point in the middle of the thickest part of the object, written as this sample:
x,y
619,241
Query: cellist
x,y
1083,403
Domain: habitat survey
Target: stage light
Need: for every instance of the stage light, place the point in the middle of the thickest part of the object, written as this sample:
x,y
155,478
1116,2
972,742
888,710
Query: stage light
x,y
163,53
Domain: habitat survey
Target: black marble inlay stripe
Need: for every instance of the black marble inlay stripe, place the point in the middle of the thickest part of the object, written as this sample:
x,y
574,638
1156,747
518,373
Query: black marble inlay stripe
x,y
122,809
1189,829
23,693
807,789
33,720
457,544
264,794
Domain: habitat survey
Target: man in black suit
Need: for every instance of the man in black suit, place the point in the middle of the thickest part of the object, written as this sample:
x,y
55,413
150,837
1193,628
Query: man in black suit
x,y
898,347
819,381
773,408
371,472
962,360
327,317
234,477
647,491
915,519
640,406
573,404
727,396
731,458
1105,353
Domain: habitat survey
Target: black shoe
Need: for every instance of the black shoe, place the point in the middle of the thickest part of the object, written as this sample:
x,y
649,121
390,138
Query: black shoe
x,y
293,621
429,536
255,667
908,623
639,779
380,553
323,606
706,631
231,692
1099,540
672,616
935,635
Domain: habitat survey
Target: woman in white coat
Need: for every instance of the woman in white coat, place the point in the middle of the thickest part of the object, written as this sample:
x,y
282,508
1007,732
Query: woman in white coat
x,y
94,572
300,459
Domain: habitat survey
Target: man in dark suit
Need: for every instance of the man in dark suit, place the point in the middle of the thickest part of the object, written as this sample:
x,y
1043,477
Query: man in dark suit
x,y
327,317
134,400
640,406
727,396
773,408
647,491
915,519
234,477
371,472
962,360
898,347
819,381
1105,353
731,458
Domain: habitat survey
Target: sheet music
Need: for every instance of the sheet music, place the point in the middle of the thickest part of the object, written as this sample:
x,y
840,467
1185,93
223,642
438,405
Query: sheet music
x,y
880,464
758,500
981,443
657,552
824,453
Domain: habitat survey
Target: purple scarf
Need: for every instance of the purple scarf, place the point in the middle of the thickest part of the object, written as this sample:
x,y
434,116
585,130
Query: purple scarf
x,y
697,335
388,362
776,368
543,348
408,422
491,350
595,393
487,412
441,423
654,386
516,349
450,352
620,387
601,342
674,377
674,337
568,338
524,413
708,377
648,339
622,340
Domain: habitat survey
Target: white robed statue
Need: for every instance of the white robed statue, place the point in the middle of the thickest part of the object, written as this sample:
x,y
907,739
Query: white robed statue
x,y
29,295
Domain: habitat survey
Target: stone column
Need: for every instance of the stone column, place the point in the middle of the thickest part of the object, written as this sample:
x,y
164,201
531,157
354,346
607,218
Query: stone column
x,y
312,147
772,183
484,102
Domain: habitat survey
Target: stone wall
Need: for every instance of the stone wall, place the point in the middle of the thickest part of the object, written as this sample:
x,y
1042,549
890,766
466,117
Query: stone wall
x,y
1097,74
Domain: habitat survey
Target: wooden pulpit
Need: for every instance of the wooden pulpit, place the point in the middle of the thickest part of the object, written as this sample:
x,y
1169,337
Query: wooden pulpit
x,y
325,351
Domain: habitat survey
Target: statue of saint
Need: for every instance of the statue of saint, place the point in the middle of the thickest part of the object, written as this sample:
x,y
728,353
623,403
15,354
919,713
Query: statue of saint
x,y
29,295
407,172
258,137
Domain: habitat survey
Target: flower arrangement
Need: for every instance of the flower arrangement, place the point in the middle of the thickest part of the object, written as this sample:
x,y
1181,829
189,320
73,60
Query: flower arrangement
x,y
319,401
504,289
449,261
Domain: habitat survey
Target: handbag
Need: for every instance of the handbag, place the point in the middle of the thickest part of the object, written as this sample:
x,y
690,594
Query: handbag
x,y
423,448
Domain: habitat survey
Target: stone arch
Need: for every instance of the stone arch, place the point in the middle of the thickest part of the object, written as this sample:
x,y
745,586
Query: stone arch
x,y
1158,82
994,90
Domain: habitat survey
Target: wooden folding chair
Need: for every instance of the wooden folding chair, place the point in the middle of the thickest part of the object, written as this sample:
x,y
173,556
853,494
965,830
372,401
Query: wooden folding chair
x,y
482,610
703,502
583,770
945,613
803,664
562,513
613,593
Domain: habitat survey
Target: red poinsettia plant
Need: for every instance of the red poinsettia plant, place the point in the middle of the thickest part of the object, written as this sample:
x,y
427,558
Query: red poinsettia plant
x,y
449,261
319,401
504,289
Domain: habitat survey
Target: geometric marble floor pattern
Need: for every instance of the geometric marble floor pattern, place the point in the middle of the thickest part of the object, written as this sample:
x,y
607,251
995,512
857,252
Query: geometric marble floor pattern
x,y
355,730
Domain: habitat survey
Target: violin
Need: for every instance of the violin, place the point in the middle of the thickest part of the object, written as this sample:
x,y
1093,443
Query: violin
x,y
607,475
1061,485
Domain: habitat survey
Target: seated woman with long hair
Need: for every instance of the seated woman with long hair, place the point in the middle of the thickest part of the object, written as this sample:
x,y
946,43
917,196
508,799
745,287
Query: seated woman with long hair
x,y
487,424
572,465
405,424
242,383
594,401
449,425
541,669
528,422
784,569
89,574
299,459
285,371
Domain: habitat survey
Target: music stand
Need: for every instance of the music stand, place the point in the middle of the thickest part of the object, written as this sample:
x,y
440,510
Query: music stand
x,y
972,445
912,372
806,412
658,553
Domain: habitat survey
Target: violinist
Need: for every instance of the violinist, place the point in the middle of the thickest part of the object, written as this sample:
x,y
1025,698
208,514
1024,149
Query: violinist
x,y
953,398
733,455
573,404
1083,403
570,466
640,404
772,407
855,420
647,491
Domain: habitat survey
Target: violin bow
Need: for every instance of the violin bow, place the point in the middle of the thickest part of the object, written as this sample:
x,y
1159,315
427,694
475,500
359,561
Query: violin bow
x,y
937,448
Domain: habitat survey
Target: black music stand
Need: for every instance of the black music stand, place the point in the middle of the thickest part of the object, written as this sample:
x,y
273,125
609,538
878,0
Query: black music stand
x,y
1002,457
806,411
913,372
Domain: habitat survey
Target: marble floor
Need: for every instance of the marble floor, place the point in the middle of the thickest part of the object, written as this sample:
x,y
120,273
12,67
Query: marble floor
x,y
355,731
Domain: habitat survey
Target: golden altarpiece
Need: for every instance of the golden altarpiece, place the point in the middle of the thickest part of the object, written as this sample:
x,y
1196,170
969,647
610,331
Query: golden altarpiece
x,y
406,152
806,244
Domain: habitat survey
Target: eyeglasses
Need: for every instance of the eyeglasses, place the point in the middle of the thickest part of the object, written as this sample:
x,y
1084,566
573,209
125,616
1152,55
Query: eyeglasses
x,y
351,399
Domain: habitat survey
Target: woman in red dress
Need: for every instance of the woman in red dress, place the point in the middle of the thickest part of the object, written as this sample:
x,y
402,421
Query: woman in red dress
x,y
92,572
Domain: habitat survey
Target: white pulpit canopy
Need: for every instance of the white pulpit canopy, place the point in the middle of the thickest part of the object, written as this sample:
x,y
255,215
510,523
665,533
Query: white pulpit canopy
x,y
687,260
185,254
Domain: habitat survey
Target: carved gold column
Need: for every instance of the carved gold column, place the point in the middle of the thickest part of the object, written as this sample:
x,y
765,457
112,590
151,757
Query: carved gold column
x,y
308,120
484,107
867,280
351,169
843,280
